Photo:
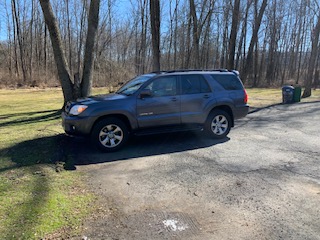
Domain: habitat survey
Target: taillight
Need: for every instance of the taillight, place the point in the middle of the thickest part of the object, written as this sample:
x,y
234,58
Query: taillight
x,y
245,96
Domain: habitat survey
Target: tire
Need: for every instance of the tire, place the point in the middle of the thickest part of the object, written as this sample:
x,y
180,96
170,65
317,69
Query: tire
x,y
110,134
218,124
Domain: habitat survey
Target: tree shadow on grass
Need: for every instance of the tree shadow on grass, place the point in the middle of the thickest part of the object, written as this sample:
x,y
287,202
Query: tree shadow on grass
x,y
23,215
28,117
21,208
36,151
33,151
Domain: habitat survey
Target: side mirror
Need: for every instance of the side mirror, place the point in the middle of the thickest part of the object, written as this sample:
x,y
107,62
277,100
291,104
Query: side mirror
x,y
145,93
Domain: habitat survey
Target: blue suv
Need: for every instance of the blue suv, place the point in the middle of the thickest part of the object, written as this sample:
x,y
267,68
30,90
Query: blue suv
x,y
209,100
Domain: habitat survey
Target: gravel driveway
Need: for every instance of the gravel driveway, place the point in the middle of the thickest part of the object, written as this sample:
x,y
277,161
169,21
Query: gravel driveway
x,y
263,182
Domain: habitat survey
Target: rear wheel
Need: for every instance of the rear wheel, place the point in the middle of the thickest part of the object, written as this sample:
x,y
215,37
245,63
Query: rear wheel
x,y
218,124
109,134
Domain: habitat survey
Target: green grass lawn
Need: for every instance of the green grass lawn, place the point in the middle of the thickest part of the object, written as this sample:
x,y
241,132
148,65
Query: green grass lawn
x,y
262,97
36,200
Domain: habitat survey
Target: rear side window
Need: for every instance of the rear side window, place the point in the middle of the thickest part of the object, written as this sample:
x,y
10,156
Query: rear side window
x,y
228,82
192,84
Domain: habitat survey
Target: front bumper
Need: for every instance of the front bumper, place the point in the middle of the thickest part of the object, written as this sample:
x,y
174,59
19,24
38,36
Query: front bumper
x,y
76,125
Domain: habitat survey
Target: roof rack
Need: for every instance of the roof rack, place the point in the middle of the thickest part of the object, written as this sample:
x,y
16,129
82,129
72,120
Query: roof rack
x,y
193,70
159,72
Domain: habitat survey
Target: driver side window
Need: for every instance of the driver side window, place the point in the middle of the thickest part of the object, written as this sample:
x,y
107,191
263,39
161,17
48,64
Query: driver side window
x,y
163,86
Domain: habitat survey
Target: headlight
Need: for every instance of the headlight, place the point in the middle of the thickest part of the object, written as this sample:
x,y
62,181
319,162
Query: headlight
x,y
77,109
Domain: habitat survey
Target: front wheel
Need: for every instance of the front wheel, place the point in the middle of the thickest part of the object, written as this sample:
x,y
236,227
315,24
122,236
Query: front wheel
x,y
218,124
109,134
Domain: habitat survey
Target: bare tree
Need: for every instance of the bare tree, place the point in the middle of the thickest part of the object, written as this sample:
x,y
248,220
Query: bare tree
x,y
313,59
19,37
62,67
254,38
93,21
275,27
197,26
140,35
155,31
233,34
61,62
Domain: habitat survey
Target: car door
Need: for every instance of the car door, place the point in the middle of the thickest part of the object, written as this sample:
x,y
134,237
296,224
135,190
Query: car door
x,y
162,106
195,95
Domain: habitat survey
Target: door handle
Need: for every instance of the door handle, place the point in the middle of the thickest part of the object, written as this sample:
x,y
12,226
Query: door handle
x,y
174,99
206,96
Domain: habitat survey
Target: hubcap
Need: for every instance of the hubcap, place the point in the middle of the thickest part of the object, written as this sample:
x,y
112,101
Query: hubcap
x,y
111,136
219,125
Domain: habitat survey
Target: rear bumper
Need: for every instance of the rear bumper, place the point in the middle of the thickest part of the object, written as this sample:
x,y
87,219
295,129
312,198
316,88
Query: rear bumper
x,y
75,125
241,111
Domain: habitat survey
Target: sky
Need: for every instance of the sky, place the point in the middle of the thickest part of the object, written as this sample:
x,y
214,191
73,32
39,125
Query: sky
x,y
3,32
121,8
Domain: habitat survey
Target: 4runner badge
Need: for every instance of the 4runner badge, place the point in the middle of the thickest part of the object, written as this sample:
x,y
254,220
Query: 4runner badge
x,y
146,114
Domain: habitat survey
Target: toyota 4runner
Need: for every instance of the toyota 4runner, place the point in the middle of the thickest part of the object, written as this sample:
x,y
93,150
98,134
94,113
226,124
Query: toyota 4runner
x,y
157,103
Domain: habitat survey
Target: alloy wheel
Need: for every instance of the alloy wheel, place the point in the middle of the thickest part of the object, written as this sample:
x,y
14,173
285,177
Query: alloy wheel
x,y
111,136
219,125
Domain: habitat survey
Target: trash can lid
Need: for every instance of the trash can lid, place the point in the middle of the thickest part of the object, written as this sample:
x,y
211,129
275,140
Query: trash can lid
x,y
287,87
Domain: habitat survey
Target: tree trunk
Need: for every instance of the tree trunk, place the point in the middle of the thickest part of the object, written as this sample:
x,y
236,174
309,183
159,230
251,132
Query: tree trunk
x,y
254,39
195,34
10,57
313,59
31,42
273,45
80,38
93,21
233,34
58,53
17,22
45,53
197,27
69,36
186,54
224,56
242,41
155,31
69,92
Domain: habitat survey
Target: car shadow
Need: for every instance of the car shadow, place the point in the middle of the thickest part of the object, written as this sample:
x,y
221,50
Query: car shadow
x,y
84,153
72,151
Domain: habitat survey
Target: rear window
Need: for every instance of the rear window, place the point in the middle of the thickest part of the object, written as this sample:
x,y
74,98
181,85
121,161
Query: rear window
x,y
228,82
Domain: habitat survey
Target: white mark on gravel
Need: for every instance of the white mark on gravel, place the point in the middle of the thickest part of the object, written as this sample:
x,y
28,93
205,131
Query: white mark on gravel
x,y
174,225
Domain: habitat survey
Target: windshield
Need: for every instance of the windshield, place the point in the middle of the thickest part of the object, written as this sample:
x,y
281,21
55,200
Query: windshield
x,y
133,85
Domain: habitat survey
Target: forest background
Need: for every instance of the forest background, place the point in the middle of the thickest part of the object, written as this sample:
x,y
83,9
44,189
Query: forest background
x,y
270,42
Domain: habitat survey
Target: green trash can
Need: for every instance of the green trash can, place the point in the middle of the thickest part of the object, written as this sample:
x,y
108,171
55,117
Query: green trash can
x,y
297,94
